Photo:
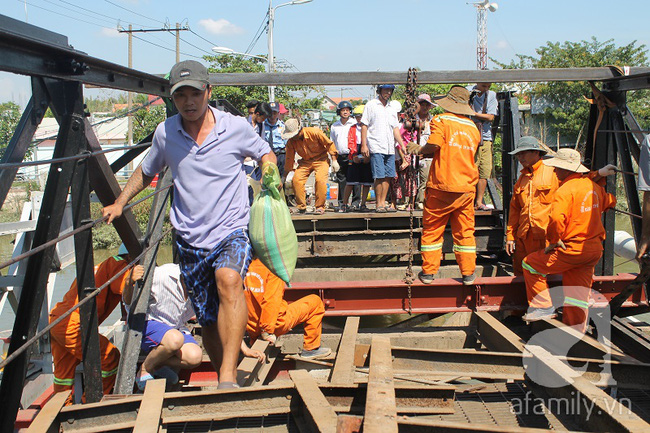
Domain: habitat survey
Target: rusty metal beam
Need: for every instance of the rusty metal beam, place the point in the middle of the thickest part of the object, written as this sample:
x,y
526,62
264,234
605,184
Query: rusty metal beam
x,y
150,407
343,371
607,414
248,368
314,410
630,339
351,298
413,425
495,335
380,415
43,423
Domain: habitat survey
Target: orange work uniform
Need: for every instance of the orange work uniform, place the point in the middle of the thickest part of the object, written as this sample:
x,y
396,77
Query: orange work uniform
x,y
575,220
530,208
65,341
313,146
450,192
269,312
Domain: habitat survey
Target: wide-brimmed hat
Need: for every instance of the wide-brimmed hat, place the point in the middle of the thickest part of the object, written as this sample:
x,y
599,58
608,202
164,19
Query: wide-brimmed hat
x,y
188,73
426,98
567,159
528,143
455,101
291,128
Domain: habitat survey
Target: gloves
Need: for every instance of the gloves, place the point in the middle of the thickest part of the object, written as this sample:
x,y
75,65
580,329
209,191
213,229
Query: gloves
x,y
607,170
413,148
335,165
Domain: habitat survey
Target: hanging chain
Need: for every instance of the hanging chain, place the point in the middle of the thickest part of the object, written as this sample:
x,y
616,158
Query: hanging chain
x,y
410,105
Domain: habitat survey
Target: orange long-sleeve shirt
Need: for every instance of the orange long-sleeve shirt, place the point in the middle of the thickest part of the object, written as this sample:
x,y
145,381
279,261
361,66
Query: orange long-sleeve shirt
x,y
576,214
531,202
313,145
453,168
107,299
264,298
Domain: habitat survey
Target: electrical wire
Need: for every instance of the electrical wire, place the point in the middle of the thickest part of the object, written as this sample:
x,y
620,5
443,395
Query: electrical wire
x,y
201,37
133,12
63,15
97,13
80,13
263,26
165,48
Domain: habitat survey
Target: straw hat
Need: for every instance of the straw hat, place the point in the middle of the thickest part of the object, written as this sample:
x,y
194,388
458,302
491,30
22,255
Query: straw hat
x,y
455,101
567,159
291,128
528,143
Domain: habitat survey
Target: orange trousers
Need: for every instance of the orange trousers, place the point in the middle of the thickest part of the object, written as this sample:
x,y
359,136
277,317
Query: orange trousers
x,y
458,209
523,247
308,310
577,276
321,169
65,344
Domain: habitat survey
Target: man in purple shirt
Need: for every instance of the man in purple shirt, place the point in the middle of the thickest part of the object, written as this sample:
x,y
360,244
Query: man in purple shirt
x,y
205,150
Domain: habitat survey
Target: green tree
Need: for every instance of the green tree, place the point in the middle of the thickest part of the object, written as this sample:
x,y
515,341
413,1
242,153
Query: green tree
x,y
567,108
146,120
9,118
298,98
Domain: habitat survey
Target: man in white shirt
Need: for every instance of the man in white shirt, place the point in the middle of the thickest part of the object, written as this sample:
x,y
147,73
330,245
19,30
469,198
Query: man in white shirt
x,y
339,134
379,132
484,102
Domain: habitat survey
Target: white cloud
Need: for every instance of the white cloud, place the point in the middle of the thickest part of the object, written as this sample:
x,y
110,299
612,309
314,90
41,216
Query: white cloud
x,y
110,32
220,27
502,44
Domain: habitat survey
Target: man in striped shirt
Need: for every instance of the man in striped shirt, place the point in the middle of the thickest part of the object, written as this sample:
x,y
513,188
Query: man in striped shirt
x,y
451,186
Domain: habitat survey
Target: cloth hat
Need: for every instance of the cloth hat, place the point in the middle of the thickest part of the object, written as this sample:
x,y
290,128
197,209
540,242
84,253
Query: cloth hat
x,y
455,101
189,73
122,251
568,159
528,143
274,106
291,128
283,109
358,110
425,97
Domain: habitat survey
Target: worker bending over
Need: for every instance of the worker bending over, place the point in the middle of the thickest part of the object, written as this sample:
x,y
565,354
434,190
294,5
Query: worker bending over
x,y
270,316
530,205
166,339
313,146
451,186
575,234
65,341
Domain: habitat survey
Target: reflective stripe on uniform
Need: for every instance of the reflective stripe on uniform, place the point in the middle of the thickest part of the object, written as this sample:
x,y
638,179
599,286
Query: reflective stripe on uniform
x,y
530,269
63,382
106,374
432,247
458,120
464,248
575,302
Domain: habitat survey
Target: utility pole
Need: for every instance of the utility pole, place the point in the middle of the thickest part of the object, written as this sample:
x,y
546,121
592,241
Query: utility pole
x,y
270,46
130,32
482,9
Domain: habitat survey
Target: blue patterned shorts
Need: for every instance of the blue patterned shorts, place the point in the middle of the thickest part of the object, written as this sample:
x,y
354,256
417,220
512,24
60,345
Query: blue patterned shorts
x,y
198,267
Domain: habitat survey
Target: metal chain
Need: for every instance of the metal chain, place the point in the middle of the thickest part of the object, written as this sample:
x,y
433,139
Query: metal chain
x,y
410,105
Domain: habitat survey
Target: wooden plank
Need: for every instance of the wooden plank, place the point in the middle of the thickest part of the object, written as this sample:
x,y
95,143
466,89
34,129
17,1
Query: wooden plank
x,y
343,371
495,335
45,418
248,368
381,408
148,418
319,413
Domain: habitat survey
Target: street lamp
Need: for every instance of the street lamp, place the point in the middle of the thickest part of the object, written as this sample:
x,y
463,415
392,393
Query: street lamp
x,y
226,50
482,8
270,37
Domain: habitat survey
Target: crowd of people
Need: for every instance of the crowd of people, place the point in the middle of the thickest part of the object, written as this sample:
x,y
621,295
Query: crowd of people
x,y
554,224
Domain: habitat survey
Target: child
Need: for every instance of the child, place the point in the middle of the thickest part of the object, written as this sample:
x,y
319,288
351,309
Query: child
x,y
403,184
359,172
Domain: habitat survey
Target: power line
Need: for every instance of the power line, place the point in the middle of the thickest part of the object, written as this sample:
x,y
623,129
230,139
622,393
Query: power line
x,y
198,35
133,12
96,13
165,48
63,15
258,33
80,13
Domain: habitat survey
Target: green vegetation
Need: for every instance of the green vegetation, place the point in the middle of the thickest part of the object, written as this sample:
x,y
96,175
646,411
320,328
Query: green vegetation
x,y
9,118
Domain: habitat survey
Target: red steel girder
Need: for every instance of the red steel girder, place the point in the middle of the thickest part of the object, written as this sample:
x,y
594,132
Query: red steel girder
x,y
350,298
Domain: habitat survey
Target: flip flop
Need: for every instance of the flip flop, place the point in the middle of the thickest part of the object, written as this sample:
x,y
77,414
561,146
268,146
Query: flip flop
x,y
227,385
380,210
319,211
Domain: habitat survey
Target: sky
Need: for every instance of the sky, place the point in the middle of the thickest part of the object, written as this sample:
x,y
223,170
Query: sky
x,y
325,35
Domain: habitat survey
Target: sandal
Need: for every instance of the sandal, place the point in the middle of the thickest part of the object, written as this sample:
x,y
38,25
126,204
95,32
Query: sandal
x,y
343,208
381,210
319,211
390,209
482,207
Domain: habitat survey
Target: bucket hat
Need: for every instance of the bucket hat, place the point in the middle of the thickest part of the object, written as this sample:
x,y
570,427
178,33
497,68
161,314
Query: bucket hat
x,y
455,101
291,128
188,73
528,143
567,159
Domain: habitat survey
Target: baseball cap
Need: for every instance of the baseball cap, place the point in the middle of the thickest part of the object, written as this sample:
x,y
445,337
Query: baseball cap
x,y
188,73
283,109
274,106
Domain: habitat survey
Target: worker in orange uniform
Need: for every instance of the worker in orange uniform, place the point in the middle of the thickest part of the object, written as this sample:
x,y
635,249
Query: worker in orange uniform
x,y
451,185
530,205
313,146
65,341
575,234
269,315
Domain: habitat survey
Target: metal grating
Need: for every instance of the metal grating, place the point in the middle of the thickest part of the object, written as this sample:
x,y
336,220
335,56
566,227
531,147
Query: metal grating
x,y
277,423
640,400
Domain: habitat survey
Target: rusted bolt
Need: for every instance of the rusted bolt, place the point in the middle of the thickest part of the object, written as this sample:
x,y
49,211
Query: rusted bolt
x,y
468,298
170,407
70,420
327,301
76,125
483,299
